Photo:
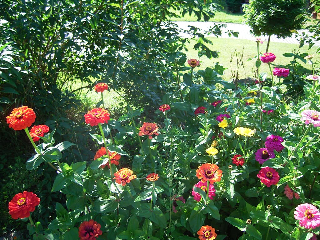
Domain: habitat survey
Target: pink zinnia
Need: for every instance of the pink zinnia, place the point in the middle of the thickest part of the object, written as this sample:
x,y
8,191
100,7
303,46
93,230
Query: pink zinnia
x,y
308,215
193,63
203,186
216,103
263,154
164,107
221,117
200,110
313,77
268,176
311,116
281,72
273,142
290,193
267,57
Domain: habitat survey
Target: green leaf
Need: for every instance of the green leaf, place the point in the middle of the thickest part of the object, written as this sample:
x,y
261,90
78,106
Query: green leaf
x,y
146,195
183,106
213,210
252,192
71,234
137,163
158,217
237,222
52,154
196,220
78,167
105,206
61,211
278,223
97,137
64,145
58,183
133,224
187,79
144,210
253,232
34,162
96,164
9,90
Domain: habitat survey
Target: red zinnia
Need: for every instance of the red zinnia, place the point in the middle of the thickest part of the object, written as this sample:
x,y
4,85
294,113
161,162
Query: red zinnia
x,y
207,233
148,129
209,172
89,230
100,87
200,110
114,157
238,160
152,177
268,176
164,107
124,176
38,131
21,118
96,116
22,204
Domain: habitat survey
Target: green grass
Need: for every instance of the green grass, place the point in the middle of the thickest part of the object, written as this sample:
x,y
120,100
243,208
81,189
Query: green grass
x,y
227,47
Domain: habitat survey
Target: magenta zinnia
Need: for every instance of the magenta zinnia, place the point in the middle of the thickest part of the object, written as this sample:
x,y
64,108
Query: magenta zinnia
x,y
311,116
267,57
308,215
203,186
96,116
273,142
268,176
89,230
221,117
21,118
263,154
38,131
216,103
281,72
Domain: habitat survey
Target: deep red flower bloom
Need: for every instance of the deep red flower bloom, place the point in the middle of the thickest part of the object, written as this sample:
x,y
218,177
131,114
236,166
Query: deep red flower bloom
x,y
221,117
268,176
207,233
209,172
21,118
164,107
148,129
100,87
22,204
38,131
216,103
267,57
152,177
193,63
238,160
124,176
175,199
114,157
200,110
89,230
96,116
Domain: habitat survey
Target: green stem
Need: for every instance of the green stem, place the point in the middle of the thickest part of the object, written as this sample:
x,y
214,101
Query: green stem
x,y
106,146
102,100
271,74
267,237
208,185
31,221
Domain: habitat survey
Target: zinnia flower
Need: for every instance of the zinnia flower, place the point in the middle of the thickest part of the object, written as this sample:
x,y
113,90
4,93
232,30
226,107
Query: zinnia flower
x,y
124,176
267,57
174,202
247,132
207,233
38,131
290,193
238,160
212,151
308,215
209,172
96,116
259,40
249,101
89,230
152,177
164,107
193,63
21,118
268,176
216,103
22,204
203,186
200,110
281,72
273,142
221,117
148,129
268,111
223,123
311,116
263,154
114,157
313,77
100,87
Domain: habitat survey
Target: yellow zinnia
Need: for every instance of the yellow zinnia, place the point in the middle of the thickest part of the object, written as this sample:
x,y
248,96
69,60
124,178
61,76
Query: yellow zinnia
x,y
214,143
247,132
212,151
223,123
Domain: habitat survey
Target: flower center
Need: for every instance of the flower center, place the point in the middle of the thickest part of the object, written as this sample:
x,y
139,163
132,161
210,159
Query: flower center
x,y
275,139
21,201
19,114
148,128
38,131
98,115
265,154
89,230
204,188
209,173
269,175
207,234
308,214
315,116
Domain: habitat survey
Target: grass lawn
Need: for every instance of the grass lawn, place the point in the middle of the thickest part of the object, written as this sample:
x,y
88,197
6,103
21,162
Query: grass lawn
x,y
247,51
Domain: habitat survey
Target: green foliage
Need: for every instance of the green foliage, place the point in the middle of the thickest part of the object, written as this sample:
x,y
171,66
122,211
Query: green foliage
x,y
275,17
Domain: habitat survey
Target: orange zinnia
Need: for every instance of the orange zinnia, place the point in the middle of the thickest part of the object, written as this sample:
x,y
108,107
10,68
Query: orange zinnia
x,y
152,177
124,176
21,118
100,87
209,172
207,233
149,129
96,116
114,157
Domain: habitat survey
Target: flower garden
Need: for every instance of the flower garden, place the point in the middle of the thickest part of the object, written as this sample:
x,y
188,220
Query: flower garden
x,y
203,159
